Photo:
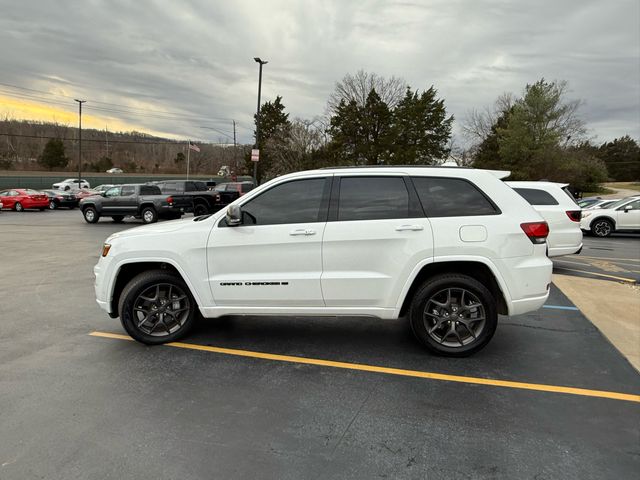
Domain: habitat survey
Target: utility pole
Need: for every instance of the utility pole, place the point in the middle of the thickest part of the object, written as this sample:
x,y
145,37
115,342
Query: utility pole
x,y
255,164
235,150
188,155
106,139
80,102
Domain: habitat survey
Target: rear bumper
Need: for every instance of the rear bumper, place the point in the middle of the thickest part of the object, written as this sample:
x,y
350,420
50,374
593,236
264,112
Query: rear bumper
x,y
526,305
570,250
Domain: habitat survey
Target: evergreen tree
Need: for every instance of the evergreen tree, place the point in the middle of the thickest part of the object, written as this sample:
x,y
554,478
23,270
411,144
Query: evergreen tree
x,y
53,155
622,157
421,129
273,119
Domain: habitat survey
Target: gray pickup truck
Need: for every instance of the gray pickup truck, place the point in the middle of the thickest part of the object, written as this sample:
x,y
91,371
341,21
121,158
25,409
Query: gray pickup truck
x,y
137,200
204,200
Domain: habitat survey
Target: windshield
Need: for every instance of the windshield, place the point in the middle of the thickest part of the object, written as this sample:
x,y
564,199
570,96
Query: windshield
x,y
619,203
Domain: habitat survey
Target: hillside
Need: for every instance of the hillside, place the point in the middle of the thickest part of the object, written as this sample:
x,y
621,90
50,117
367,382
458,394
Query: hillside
x,y
22,143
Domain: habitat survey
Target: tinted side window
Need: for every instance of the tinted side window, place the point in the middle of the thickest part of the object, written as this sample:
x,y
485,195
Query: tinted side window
x,y
200,186
373,198
536,197
128,190
298,201
168,187
451,197
190,187
150,190
112,192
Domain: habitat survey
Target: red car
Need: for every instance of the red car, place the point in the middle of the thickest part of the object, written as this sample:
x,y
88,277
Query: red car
x,y
80,194
19,199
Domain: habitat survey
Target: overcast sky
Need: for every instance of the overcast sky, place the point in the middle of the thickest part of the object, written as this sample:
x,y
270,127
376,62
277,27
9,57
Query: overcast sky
x,y
196,57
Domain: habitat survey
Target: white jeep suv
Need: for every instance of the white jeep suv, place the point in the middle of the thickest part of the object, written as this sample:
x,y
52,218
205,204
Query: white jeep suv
x,y
451,248
558,207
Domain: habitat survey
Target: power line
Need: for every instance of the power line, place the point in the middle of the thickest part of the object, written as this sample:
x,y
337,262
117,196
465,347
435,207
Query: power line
x,y
128,107
38,98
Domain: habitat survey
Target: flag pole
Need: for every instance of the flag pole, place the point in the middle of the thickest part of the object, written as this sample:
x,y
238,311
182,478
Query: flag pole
x,y
188,155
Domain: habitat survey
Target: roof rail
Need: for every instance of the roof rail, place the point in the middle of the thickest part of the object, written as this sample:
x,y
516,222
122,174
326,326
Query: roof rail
x,y
392,166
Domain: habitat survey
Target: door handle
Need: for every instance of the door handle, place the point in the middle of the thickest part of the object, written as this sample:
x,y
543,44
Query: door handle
x,y
302,231
403,228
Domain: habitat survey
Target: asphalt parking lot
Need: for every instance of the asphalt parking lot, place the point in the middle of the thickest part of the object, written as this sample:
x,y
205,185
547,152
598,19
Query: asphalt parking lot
x,y
291,398
616,258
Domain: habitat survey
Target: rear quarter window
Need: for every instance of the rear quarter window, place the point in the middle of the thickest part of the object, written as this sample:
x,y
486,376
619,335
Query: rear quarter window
x,y
536,196
150,190
452,197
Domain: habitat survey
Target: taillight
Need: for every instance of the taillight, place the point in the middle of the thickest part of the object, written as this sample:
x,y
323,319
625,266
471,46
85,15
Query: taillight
x,y
536,231
574,215
170,200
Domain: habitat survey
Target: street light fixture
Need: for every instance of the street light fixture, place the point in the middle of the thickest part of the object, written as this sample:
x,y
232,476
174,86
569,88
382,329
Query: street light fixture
x,y
255,164
80,102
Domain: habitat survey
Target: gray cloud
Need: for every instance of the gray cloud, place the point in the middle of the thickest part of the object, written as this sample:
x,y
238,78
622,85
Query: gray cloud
x,y
196,57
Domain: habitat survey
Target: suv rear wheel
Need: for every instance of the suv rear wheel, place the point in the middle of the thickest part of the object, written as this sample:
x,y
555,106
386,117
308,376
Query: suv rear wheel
x,y
156,307
453,315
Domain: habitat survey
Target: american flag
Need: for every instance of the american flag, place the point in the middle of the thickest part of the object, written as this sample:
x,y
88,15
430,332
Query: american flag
x,y
194,147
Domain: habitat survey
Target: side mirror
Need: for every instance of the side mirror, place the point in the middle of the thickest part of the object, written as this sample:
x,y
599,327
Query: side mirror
x,y
627,208
234,216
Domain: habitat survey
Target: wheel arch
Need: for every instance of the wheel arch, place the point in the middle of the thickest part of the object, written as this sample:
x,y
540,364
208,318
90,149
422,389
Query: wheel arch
x,y
473,268
129,270
602,217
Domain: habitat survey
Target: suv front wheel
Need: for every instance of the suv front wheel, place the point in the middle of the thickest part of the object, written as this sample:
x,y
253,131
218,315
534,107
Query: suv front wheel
x,y
453,315
156,307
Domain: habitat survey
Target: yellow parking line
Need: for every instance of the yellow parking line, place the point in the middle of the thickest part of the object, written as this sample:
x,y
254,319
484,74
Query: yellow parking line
x,y
611,258
393,371
622,279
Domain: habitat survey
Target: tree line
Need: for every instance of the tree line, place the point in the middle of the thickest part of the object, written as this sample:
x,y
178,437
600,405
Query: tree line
x,y
32,145
371,120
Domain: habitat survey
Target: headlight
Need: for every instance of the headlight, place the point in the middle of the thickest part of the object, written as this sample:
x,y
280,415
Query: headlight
x,y
105,249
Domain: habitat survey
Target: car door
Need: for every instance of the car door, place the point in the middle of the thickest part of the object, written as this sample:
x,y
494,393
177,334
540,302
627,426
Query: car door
x,y
110,201
7,199
629,216
273,259
375,236
127,201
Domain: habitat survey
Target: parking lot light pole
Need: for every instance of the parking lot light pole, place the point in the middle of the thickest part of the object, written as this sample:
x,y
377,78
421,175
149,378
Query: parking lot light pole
x,y
80,102
255,164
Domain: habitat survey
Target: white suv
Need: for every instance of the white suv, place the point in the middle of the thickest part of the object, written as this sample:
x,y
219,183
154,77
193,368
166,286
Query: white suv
x,y
557,206
449,247
623,215
71,184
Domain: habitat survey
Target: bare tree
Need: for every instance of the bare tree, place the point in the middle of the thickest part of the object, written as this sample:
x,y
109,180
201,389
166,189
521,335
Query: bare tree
x,y
477,125
291,148
357,87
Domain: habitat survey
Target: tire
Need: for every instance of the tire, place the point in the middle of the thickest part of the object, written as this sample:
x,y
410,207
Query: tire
x,y
148,293
117,218
602,227
149,215
52,205
18,207
444,325
200,209
90,215
66,188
